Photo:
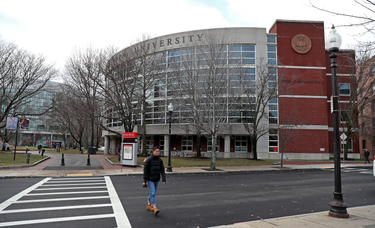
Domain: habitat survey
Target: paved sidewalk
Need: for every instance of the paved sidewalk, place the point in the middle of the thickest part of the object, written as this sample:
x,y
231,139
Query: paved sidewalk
x,y
359,216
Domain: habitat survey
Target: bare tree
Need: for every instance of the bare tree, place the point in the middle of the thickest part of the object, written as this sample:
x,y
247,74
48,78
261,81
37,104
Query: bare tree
x,y
118,87
259,97
22,76
204,82
289,130
365,66
363,19
82,70
71,116
149,64
357,90
55,124
6,135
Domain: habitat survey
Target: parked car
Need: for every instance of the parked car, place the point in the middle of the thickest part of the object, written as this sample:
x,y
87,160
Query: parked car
x,y
7,146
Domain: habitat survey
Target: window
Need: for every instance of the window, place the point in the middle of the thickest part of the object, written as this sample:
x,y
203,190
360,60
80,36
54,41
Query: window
x,y
149,144
272,111
271,55
246,53
187,143
350,145
209,144
161,144
363,127
271,39
273,140
241,144
41,127
344,88
344,116
364,144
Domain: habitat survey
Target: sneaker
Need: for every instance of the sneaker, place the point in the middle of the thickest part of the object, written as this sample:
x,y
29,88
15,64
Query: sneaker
x,y
150,208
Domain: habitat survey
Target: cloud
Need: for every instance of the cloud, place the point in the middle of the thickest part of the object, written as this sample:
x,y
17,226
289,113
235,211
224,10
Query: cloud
x,y
55,28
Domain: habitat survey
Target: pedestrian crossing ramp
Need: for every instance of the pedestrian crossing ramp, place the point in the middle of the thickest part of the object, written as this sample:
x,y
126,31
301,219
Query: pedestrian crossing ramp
x,y
352,169
68,202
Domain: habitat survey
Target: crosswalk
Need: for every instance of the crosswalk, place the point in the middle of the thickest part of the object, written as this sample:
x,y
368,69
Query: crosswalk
x,y
352,169
93,200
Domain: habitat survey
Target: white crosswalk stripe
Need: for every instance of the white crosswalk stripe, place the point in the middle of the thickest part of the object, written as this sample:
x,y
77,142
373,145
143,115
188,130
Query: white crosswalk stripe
x,y
351,170
94,190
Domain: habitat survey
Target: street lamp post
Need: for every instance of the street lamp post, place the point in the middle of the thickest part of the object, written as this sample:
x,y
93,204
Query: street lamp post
x,y
170,110
338,207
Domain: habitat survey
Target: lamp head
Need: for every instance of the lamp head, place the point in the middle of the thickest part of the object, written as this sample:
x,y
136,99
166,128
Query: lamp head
x,y
333,40
170,107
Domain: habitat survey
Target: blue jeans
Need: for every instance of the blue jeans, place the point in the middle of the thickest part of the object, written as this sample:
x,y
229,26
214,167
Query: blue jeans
x,y
152,187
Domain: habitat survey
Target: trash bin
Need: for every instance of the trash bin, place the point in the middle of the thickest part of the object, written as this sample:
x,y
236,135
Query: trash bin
x,y
92,150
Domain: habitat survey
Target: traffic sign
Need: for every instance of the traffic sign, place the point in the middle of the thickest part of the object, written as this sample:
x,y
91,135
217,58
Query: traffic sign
x,y
343,137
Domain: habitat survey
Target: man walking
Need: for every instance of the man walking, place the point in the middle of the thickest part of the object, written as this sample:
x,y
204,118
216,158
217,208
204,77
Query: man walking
x,y
367,154
153,168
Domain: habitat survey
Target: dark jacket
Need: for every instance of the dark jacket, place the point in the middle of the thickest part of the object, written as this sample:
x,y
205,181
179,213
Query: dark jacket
x,y
367,154
152,169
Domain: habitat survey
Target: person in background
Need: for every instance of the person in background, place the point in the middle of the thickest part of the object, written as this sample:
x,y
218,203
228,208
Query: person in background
x,y
153,168
367,154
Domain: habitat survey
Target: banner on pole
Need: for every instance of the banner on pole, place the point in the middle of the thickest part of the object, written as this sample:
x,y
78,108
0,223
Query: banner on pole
x,y
24,124
12,123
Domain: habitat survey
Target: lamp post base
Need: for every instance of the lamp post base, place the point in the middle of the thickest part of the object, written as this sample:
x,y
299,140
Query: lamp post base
x,y
169,169
338,207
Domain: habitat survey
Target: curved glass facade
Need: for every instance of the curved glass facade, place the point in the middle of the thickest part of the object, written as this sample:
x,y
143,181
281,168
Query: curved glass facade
x,y
191,69
239,62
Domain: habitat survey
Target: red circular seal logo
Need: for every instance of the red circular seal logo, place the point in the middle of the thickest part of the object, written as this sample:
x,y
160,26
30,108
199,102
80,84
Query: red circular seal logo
x,y
301,43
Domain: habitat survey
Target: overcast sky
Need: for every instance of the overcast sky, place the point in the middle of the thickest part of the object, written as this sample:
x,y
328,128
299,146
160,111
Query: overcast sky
x,y
55,28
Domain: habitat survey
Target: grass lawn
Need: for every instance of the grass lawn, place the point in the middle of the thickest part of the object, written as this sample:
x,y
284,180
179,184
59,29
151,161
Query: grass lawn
x,y
205,162
6,158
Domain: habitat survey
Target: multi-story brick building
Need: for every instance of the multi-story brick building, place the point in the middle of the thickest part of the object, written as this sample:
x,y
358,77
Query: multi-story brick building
x,y
296,48
366,97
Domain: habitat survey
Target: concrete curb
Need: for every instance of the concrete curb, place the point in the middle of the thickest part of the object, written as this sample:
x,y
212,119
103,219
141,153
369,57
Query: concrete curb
x,y
23,166
111,162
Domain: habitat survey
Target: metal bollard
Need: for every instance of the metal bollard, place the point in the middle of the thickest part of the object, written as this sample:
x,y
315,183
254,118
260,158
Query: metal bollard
x,y
62,159
28,158
88,159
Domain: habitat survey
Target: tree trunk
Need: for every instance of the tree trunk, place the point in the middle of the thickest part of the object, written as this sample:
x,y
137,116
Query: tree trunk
x,y
198,144
254,147
144,136
213,153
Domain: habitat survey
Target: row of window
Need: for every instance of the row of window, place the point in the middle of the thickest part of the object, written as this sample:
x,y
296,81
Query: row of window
x,y
241,144
203,56
168,85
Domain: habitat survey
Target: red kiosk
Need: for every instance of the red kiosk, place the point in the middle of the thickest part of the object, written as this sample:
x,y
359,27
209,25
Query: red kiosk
x,y
129,148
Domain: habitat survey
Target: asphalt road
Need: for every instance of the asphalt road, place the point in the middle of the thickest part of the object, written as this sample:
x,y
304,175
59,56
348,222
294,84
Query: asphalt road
x,y
187,200
210,200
